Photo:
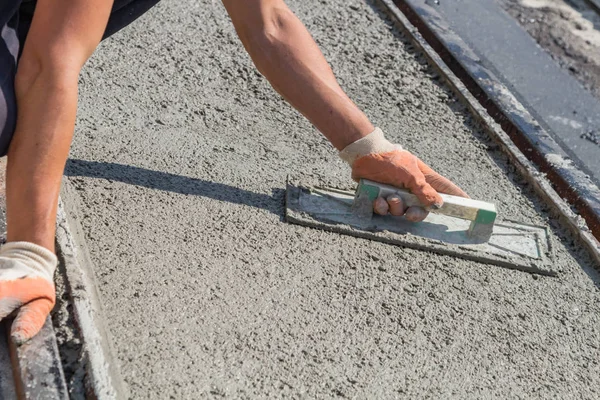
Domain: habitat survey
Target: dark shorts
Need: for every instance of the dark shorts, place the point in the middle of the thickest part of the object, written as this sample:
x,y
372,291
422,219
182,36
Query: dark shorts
x,y
15,19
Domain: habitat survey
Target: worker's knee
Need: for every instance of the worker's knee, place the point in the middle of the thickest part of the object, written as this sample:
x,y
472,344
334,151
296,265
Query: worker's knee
x,y
8,115
9,48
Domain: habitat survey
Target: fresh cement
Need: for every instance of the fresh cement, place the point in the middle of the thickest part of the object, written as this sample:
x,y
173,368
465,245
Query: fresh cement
x,y
68,338
180,158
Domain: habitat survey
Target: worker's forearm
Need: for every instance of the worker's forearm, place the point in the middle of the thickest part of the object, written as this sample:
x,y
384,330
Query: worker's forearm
x,y
286,54
63,34
46,116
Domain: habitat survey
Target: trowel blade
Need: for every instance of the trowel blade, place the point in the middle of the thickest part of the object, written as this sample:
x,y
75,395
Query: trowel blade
x,y
512,245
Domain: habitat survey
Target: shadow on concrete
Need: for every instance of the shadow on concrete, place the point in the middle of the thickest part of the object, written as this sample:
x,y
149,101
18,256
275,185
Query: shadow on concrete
x,y
177,184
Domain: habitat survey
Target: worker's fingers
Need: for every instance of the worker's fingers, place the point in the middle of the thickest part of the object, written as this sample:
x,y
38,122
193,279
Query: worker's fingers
x,y
415,214
427,195
396,205
380,206
402,169
440,183
30,319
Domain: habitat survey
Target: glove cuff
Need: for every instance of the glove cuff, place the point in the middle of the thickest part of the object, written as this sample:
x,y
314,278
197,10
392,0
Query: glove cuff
x,y
37,259
374,143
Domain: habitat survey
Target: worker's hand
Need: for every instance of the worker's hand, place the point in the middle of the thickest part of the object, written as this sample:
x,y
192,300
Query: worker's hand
x,y
376,159
26,287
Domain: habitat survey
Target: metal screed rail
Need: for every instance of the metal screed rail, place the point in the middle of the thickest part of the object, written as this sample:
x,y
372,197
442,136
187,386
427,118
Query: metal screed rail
x,y
32,370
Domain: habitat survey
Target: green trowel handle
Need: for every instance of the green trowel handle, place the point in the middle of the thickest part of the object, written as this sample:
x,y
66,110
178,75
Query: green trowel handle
x,y
477,211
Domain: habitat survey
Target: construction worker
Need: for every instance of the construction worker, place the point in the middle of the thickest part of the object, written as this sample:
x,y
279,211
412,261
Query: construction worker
x,y
43,46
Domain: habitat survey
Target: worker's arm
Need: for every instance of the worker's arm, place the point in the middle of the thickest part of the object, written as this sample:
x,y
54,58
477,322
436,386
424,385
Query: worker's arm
x,y
63,35
285,53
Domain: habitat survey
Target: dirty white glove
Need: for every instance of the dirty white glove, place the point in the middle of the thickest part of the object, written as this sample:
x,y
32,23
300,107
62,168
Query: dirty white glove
x,y
26,285
373,157
374,143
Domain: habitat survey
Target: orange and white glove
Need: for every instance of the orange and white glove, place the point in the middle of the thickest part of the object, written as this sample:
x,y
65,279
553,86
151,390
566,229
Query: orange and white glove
x,y
373,157
26,287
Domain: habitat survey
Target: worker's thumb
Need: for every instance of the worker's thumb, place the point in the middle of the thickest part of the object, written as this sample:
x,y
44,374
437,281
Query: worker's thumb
x,y
440,183
30,319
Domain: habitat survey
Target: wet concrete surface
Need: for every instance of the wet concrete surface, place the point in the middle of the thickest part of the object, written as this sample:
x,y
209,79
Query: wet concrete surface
x,y
180,159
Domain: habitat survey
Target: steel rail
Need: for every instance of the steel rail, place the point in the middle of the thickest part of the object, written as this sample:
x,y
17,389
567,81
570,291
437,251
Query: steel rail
x,y
32,370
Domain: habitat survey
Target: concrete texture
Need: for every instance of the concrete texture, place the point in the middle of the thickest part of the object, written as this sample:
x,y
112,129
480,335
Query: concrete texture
x,y
180,160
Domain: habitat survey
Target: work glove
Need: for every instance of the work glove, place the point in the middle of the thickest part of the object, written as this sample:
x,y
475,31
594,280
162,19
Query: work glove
x,y
26,287
373,157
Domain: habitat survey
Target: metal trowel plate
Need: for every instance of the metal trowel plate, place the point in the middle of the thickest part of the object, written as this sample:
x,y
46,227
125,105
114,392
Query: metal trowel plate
x,y
512,244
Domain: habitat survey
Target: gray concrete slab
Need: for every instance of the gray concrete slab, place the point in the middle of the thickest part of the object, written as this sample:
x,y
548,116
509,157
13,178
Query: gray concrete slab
x,y
552,96
180,161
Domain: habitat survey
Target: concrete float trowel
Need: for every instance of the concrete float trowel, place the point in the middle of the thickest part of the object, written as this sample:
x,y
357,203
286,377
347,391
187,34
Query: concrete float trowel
x,y
462,227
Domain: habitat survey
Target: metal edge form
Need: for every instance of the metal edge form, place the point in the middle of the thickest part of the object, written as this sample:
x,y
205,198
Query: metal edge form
x,y
103,379
37,367
527,169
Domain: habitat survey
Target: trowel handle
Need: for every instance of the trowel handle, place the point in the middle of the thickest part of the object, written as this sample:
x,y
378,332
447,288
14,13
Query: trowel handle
x,y
454,206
